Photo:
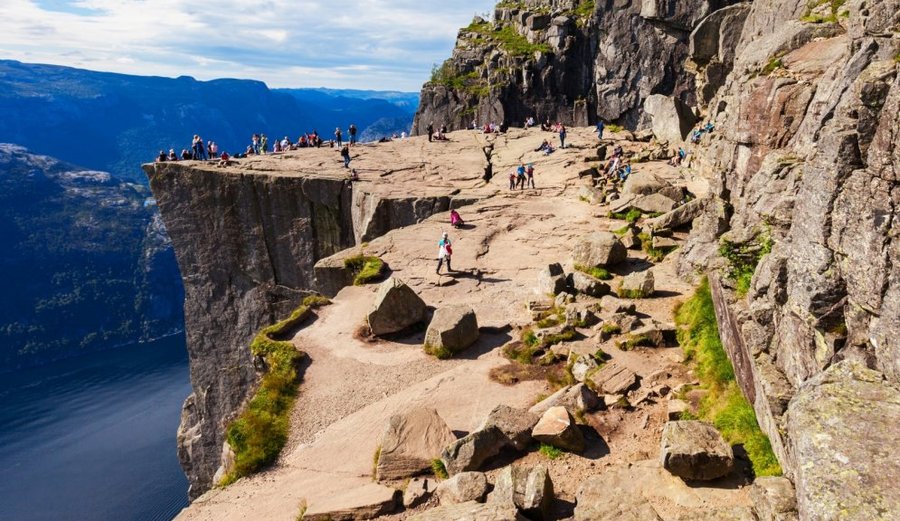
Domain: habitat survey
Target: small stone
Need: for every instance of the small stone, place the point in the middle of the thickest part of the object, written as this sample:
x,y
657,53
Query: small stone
x,y
557,427
551,280
564,298
471,511
418,490
695,450
663,242
587,285
616,305
774,499
410,441
575,397
582,366
599,249
465,486
363,502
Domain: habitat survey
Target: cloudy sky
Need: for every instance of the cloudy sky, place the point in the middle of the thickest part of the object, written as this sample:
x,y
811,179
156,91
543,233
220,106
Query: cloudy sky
x,y
363,44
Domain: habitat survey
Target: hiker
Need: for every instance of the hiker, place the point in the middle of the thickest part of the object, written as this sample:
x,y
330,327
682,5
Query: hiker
x,y
338,137
529,171
520,177
345,153
224,161
678,158
562,135
546,125
185,155
352,131
430,131
213,149
162,157
600,127
354,175
445,251
264,144
512,179
455,220
625,171
172,155
254,143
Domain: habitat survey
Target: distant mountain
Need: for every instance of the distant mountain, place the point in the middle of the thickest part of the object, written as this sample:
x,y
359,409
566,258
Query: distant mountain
x,y
114,122
86,262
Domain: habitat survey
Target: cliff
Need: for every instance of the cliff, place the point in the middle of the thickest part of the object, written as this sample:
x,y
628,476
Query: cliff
x,y
567,60
246,238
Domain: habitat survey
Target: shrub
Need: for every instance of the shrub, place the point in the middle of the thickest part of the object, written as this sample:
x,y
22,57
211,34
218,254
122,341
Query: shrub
x,y
439,352
259,433
743,258
365,268
654,254
610,329
631,215
550,451
438,469
724,406
612,127
594,271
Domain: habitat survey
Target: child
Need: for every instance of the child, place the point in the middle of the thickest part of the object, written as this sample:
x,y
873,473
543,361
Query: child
x,y
445,251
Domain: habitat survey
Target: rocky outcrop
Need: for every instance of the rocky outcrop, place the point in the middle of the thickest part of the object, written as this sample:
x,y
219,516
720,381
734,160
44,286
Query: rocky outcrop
x,y
564,60
557,427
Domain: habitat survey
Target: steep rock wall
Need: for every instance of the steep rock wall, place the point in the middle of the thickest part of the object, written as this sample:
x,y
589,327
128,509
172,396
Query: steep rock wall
x,y
804,162
583,60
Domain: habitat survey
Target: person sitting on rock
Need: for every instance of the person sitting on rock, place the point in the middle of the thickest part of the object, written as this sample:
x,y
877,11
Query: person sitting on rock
x,y
455,220
162,157
185,154
224,160
172,155
625,171
546,125
529,122
445,251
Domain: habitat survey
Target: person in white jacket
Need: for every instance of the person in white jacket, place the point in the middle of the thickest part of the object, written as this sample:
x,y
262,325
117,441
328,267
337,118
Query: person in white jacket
x,y
445,251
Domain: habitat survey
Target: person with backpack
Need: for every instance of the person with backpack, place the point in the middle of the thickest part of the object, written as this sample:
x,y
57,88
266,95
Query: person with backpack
x,y
338,137
345,154
445,251
520,177
352,134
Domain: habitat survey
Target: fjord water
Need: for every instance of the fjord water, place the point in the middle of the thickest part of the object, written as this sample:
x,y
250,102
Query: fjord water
x,y
93,438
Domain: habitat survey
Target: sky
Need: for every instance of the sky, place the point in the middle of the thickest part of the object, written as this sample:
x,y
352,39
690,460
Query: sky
x,y
363,44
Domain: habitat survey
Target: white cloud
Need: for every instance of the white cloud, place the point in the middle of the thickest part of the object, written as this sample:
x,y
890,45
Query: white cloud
x,y
286,43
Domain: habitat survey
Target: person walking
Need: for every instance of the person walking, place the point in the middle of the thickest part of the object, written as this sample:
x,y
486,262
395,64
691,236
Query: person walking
x,y
338,137
529,171
345,154
520,177
562,136
352,134
445,251
600,127
430,131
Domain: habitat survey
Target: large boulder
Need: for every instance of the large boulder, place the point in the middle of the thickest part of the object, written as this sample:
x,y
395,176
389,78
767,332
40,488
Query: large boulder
x,y
557,427
410,442
528,488
646,183
695,450
843,438
452,329
575,397
599,249
396,308
773,499
470,451
684,214
671,119
551,280
640,284
465,486
516,424
587,285
363,502
613,378
471,511
653,203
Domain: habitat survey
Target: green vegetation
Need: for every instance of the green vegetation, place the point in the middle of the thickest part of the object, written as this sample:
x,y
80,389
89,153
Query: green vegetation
x,y
375,459
439,352
769,68
469,82
438,469
550,451
622,231
630,293
743,258
594,271
724,406
636,341
654,254
631,216
258,434
365,268
524,351
612,127
610,329
507,38
831,16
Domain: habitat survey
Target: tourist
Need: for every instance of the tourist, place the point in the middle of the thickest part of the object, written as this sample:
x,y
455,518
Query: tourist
x,y
546,125
529,122
185,155
354,176
224,160
345,154
403,135
430,131
172,155
276,147
352,130
455,220
254,144
161,158
213,149
562,135
264,144
520,177
600,127
445,251
512,179
545,147
529,171
338,137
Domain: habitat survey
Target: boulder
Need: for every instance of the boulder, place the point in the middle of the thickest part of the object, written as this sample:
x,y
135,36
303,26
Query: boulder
x,y
613,378
609,497
409,443
646,183
551,280
363,502
626,323
671,119
773,499
470,451
418,490
528,488
465,486
563,298
599,249
663,243
843,423
650,335
452,329
587,285
557,427
471,511
653,203
396,308
580,316
575,397
582,366
516,424
639,284
695,450
613,304
684,214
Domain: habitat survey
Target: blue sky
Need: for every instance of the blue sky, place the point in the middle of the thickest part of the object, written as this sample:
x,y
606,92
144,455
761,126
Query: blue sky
x,y
364,44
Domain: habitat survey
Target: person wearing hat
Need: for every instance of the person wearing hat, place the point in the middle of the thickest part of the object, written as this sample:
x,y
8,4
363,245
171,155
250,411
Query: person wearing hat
x,y
445,251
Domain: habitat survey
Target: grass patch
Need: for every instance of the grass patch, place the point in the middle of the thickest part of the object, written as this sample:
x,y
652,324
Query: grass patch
x,y
594,271
610,329
365,268
654,254
634,341
612,127
438,469
830,16
622,231
550,451
259,433
630,293
724,405
507,39
439,352
631,215
375,459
